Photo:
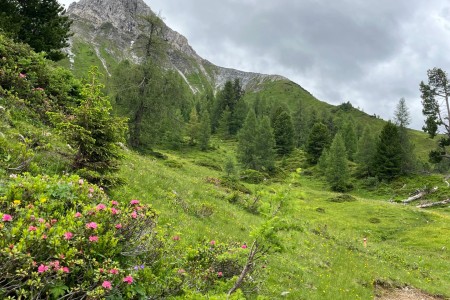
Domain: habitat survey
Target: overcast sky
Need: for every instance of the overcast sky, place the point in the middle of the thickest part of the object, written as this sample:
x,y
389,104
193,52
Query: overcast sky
x,y
368,52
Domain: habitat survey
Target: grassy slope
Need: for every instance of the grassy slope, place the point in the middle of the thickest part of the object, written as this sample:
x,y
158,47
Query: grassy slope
x,y
323,256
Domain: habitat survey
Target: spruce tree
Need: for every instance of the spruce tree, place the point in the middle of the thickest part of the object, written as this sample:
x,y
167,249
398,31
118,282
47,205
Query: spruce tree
x,y
402,120
349,135
365,153
264,146
246,147
318,139
205,131
283,131
193,127
388,155
300,123
337,169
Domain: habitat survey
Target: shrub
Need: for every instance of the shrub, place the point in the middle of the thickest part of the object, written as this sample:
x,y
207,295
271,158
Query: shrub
x,y
252,176
63,237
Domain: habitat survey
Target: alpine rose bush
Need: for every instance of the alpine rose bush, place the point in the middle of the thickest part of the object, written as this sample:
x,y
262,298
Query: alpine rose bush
x,y
63,237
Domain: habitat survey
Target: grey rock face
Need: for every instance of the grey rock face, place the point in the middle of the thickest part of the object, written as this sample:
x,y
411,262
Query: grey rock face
x,y
120,23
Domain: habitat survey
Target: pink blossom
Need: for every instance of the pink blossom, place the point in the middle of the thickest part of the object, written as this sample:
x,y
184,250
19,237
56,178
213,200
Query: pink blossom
x,y
21,75
128,279
80,181
176,238
42,268
53,221
91,190
6,218
65,269
32,228
212,243
219,274
68,235
134,214
101,206
181,271
114,203
41,220
78,215
93,239
244,246
114,211
44,237
134,202
118,226
114,271
91,225
106,284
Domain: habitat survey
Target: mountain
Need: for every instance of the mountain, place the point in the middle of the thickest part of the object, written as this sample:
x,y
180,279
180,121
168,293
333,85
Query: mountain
x,y
106,31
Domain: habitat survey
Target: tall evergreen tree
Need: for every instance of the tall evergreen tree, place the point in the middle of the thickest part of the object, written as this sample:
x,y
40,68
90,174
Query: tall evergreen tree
x,y
402,120
40,23
365,153
337,169
283,131
264,146
222,127
318,139
349,136
246,147
193,127
205,131
300,123
388,155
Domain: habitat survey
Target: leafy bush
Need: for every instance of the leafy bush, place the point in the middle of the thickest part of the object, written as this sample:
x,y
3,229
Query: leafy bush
x,y
63,237
253,176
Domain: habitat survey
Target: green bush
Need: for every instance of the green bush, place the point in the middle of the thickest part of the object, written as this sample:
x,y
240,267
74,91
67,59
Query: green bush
x,y
252,176
63,237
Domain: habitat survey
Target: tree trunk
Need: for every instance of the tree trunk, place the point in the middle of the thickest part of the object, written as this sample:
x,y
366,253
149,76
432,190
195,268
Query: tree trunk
x,y
427,205
419,195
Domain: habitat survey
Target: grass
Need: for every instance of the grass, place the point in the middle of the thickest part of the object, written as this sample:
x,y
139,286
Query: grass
x,y
323,255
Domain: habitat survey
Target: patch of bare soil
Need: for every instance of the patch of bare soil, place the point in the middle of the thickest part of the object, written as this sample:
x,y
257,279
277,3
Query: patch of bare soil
x,y
403,293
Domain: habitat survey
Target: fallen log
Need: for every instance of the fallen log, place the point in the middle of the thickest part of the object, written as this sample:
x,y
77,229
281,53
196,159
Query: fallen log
x,y
432,204
420,195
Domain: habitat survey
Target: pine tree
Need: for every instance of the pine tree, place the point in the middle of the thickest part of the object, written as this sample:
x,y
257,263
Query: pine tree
x,y
318,139
40,23
264,146
222,128
366,153
350,140
402,120
300,122
283,131
246,148
193,127
337,169
388,155
205,131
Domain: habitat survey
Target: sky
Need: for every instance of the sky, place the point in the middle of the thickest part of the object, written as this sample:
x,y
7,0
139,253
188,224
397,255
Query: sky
x,y
368,52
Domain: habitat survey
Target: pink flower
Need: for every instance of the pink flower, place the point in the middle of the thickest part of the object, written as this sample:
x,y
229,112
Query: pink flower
x,y
6,218
128,279
65,269
21,75
101,207
118,226
114,271
244,246
44,237
42,268
93,239
134,202
212,243
176,238
106,284
181,271
32,228
53,221
114,203
68,235
114,211
91,225
219,274
80,181
91,190
41,220
78,215
134,214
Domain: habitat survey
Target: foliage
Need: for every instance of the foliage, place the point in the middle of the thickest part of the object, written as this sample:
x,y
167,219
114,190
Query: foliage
x,y
349,135
365,154
205,131
40,23
62,237
283,131
337,172
318,140
94,133
436,108
402,119
388,155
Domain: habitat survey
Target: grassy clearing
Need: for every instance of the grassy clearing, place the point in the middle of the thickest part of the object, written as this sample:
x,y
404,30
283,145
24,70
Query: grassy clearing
x,y
323,256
